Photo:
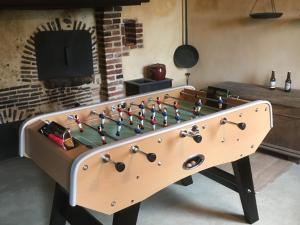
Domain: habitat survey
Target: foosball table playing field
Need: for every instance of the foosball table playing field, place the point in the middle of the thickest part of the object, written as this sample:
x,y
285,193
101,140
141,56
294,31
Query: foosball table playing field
x,y
112,156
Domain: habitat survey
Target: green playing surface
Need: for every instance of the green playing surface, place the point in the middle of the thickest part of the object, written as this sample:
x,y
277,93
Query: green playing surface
x,y
91,138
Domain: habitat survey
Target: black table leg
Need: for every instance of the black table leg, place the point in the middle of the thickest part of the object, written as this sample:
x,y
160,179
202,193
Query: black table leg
x,y
127,216
244,182
186,181
60,199
63,212
241,182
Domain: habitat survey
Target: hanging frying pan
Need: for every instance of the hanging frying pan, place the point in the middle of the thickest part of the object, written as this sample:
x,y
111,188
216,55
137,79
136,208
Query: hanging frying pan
x,y
186,56
265,15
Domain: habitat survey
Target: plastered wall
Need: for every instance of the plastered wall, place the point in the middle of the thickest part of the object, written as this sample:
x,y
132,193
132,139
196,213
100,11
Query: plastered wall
x,y
234,47
162,24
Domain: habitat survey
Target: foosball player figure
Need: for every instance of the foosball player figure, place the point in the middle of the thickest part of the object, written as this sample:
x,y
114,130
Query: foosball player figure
x,y
101,133
153,110
102,117
141,118
120,111
153,122
119,126
176,106
165,116
138,130
195,112
158,102
77,120
220,102
142,107
177,117
198,106
130,116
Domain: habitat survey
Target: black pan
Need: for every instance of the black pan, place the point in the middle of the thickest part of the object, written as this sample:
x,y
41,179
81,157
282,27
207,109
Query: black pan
x,y
186,56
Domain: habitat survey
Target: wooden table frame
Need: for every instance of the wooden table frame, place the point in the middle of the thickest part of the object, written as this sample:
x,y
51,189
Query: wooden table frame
x,y
241,182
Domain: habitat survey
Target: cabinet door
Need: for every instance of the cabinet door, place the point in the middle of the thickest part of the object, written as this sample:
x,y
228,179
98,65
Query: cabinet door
x,y
286,131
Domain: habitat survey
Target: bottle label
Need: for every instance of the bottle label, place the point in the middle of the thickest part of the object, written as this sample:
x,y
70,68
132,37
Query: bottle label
x,y
288,86
273,84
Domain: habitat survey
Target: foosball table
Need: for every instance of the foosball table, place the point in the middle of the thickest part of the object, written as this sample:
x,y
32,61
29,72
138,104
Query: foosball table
x,y
112,156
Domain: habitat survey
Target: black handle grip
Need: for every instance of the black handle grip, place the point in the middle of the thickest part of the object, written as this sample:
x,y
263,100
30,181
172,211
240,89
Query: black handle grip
x,y
242,126
197,138
120,167
151,157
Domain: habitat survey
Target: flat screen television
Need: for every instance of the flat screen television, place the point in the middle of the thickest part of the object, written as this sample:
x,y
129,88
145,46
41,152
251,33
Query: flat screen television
x,y
64,54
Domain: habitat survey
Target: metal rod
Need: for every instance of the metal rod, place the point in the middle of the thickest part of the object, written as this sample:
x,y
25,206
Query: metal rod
x,y
205,98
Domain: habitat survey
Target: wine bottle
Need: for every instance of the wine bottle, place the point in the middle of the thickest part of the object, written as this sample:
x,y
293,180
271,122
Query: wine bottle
x,y
273,81
288,83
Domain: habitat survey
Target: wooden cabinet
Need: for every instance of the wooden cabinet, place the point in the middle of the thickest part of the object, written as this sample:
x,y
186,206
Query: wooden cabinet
x,y
284,138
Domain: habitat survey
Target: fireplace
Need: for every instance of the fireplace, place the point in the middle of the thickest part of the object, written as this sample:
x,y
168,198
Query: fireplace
x,y
64,58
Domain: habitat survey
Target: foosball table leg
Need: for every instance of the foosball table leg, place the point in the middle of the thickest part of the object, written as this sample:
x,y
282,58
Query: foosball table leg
x,y
240,182
186,181
63,212
127,216
244,181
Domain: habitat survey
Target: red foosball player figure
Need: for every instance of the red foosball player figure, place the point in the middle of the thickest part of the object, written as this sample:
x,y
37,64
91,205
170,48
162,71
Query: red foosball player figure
x,y
141,118
77,120
120,111
130,115
101,133
158,102
176,106
153,122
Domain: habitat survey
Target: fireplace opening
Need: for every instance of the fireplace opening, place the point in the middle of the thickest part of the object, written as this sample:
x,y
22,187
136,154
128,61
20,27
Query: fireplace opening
x,y
64,58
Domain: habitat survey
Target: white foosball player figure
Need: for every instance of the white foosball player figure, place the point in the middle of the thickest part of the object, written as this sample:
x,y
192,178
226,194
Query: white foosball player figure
x,y
142,107
138,130
177,117
153,111
165,116
102,117
119,126
77,120
220,102
198,106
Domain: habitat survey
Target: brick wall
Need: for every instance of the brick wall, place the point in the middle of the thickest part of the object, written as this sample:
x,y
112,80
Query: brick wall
x,y
108,25
30,97
113,43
